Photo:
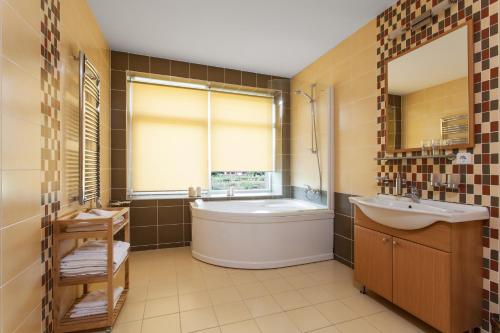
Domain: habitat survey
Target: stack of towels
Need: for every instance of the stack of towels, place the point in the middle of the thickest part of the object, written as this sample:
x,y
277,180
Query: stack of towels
x,y
94,303
91,258
92,214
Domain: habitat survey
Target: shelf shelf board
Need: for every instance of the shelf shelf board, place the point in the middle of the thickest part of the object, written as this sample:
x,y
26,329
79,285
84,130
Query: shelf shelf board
x,y
400,158
93,322
91,278
94,233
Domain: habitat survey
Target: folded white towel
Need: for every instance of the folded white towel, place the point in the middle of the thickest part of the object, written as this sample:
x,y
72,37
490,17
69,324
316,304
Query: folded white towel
x,y
103,213
94,303
91,258
89,226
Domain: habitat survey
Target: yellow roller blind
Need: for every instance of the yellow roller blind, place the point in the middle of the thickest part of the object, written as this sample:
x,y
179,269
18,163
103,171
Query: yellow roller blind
x,y
169,137
241,132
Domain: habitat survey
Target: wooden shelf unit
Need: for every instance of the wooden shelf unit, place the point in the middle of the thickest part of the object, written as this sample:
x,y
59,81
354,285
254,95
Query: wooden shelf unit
x,y
106,321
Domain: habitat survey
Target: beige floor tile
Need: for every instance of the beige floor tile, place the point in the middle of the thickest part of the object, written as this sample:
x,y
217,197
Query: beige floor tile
x,y
132,327
357,326
289,271
252,290
239,277
193,301
131,311
199,319
218,282
137,294
210,330
262,306
336,312
318,266
301,281
364,305
161,290
277,285
290,300
224,295
307,319
161,306
318,294
389,322
231,312
191,285
267,274
276,323
170,324
342,289
329,329
249,326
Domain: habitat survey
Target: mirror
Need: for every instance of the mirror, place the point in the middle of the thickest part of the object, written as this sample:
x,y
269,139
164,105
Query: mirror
x,y
429,98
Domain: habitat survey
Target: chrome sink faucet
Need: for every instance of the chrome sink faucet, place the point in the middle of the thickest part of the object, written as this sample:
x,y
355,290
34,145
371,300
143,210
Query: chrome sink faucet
x,y
413,195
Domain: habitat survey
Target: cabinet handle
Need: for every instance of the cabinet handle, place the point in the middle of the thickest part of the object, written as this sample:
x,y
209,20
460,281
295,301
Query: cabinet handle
x,y
384,239
394,243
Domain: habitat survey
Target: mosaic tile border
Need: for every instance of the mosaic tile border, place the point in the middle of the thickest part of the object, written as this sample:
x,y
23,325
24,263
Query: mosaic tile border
x,y
51,140
479,183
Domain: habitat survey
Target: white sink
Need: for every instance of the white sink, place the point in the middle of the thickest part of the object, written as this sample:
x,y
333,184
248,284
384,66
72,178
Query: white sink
x,y
402,213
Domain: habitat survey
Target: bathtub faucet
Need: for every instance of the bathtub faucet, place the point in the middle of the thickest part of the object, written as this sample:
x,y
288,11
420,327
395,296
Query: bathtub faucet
x,y
310,189
230,190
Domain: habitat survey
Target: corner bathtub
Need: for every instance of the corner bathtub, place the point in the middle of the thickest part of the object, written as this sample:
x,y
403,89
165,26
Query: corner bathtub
x,y
257,234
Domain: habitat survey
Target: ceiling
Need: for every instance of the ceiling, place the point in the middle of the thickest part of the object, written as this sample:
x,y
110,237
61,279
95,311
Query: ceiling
x,y
278,37
443,60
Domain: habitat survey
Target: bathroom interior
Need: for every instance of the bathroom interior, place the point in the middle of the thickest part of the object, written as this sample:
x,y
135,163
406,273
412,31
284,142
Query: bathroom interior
x,y
249,167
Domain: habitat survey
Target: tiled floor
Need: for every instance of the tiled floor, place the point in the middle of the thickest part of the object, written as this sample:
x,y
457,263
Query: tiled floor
x,y
171,292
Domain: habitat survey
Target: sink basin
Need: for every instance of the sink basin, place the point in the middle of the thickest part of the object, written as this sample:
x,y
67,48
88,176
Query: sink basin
x,y
402,213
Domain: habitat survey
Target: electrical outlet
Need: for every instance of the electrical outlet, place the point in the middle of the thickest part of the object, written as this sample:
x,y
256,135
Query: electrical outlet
x,y
464,158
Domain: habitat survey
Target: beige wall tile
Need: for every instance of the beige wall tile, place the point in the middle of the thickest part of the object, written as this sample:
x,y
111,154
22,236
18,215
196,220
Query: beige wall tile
x,y
23,239
350,68
29,10
21,43
20,92
32,323
20,195
20,297
20,144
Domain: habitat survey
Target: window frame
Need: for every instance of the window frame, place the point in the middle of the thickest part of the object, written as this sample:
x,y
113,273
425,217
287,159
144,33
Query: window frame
x,y
207,87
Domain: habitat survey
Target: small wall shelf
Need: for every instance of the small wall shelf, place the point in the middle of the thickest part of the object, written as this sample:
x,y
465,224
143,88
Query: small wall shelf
x,y
451,157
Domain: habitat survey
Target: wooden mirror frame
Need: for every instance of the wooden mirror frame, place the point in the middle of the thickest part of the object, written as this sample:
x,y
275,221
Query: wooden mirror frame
x,y
470,56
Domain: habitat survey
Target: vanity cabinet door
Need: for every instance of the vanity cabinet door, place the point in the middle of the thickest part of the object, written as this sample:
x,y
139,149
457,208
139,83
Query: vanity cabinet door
x,y
422,282
373,260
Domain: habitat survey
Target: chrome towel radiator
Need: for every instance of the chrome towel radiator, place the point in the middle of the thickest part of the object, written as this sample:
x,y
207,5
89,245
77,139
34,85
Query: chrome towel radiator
x,y
90,161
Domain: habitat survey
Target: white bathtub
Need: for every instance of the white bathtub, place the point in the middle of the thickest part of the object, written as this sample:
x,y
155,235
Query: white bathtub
x,y
259,234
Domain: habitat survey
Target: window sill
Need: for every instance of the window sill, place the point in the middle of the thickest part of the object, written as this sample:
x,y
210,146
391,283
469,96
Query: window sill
x,y
205,196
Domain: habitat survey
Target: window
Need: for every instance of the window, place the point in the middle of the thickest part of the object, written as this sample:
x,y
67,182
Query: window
x,y
184,136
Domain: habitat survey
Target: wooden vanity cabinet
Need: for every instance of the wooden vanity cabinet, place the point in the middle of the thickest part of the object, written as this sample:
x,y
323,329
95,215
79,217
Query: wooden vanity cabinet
x,y
433,273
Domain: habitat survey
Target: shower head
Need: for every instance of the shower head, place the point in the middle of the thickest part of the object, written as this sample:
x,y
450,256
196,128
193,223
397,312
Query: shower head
x,y
301,92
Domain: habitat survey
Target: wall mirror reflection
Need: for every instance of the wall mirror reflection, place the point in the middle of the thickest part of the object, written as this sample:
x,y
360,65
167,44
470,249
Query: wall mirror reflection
x,y
429,98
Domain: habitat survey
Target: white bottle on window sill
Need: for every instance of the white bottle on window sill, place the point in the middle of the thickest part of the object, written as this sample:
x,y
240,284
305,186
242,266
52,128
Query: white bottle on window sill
x,y
191,192
230,190
198,191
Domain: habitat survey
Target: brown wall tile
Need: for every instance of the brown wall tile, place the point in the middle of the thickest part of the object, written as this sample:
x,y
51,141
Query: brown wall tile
x,y
118,100
144,203
143,236
170,215
160,66
118,80
198,72
119,60
119,178
143,216
263,80
232,76
118,159
118,119
215,74
187,232
179,68
249,79
118,139
170,233
139,63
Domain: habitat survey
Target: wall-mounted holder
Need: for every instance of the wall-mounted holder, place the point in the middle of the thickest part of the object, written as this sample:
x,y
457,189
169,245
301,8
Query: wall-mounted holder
x,y
450,157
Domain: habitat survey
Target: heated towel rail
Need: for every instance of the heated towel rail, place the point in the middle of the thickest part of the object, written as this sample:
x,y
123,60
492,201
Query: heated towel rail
x,y
90,182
